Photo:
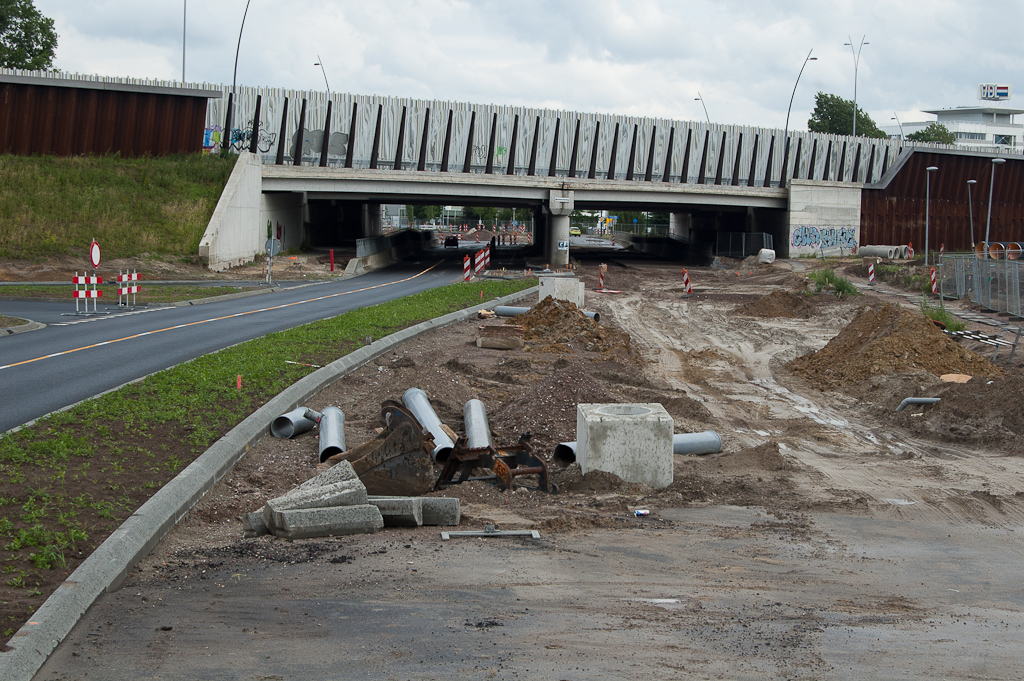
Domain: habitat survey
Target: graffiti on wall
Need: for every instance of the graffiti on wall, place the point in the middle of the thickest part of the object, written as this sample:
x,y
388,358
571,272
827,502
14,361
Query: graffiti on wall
x,y
241,138
312,142
211,138
820,238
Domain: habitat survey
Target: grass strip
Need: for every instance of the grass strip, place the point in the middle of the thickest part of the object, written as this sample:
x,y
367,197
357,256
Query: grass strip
x,y
69,480
147,294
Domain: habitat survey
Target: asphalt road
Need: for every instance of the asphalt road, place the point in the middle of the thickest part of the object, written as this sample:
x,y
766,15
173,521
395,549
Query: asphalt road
x,y
74,358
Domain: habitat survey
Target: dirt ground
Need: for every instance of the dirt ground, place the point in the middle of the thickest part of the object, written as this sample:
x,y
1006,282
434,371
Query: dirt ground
x,y
802,389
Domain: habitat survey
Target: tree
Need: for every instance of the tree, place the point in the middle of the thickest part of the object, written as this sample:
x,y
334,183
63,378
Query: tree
x,y
27,38
935,132
833,114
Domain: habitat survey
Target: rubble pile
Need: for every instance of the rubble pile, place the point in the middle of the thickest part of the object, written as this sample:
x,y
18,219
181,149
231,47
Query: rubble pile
x,y
885,341
559,326
778,304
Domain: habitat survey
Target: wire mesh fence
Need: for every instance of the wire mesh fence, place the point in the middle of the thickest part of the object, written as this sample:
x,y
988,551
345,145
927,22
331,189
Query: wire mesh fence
x,y
993,284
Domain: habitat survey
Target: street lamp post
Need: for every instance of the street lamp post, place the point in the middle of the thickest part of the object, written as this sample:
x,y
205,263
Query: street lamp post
x,y
992,180
785,133
320,63
856,66
234,80
927,204
897,119
698,97
970,207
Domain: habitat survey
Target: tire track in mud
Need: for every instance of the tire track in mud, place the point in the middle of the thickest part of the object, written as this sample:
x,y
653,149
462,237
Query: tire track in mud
x,y
841,453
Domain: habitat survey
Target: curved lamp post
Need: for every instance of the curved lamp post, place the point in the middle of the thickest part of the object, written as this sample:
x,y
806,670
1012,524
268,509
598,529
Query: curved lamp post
x,y
785,134
927,203
234,82
992,180
897,119
970,207
698,97
856,65
320,63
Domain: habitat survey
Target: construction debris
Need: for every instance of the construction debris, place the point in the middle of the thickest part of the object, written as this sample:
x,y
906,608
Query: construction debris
x,y
500,336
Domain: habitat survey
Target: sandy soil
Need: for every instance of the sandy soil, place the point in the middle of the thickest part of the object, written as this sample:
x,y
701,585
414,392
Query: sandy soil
x,y
817,472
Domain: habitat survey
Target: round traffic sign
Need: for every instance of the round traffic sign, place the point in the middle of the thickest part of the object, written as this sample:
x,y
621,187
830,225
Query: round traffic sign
x,y
272,247
94,253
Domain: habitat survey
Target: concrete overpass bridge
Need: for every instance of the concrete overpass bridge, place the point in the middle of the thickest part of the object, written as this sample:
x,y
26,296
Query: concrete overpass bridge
x,y
318,168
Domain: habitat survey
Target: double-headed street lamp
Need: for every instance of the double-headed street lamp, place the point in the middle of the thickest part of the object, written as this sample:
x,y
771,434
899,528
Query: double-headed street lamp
x,y
991,183
970,207
856,66
785,134
927,203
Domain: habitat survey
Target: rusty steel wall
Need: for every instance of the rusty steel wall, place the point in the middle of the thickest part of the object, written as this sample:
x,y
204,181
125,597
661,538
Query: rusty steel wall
x,y
67,121
895,214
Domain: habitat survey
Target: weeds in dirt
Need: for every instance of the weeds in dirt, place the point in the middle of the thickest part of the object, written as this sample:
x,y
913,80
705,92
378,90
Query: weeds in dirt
x,y
69,479
827,279
938,314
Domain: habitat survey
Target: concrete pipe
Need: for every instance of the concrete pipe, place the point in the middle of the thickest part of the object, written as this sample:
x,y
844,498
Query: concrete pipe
x,y
706,442
996,250
980,249
888,252
478,433
417,402
509,311
1014,250
332,433
291,424
917,400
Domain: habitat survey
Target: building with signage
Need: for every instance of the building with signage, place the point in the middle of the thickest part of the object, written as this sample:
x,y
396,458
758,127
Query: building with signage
x,y
987,125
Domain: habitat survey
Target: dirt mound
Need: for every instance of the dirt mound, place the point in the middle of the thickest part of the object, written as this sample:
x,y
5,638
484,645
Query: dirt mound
x,y
778,304
559,326
885,341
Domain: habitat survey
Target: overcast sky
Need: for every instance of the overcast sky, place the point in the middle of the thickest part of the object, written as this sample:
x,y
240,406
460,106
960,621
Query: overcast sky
x,y
647,57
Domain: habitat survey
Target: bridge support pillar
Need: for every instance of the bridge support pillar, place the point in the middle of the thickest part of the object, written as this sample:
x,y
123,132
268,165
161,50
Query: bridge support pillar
x,y
680,225
560,205
372,223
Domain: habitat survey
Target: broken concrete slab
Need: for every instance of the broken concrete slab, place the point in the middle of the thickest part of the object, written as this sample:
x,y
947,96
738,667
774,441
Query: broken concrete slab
x,y
435,510
342,472
348,493
253,525
400,511
328,522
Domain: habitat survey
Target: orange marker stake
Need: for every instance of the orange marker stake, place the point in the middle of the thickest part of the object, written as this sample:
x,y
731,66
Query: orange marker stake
x,y
239,381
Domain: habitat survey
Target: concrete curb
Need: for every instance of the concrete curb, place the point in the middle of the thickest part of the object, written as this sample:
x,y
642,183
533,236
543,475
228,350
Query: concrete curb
x,y
110,563
31,326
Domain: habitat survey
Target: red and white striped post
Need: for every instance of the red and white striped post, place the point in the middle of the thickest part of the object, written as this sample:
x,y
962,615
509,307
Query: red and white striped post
x,y
467,271
600,277
487,257
942,249
687,287
479,266
86,293
935,282
871,273
910,250
124,291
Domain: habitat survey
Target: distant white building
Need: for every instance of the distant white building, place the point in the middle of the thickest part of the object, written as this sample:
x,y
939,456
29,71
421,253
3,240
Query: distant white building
x,y
974,126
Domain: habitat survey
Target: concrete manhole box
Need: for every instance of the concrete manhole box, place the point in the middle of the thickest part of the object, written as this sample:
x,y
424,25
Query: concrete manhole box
x,y
633,441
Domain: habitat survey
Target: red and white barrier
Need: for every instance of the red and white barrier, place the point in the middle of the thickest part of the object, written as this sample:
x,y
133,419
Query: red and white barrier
x,y
935,283
126,288
487,257
871,273
86,293
910,251
942,249
479,262
687,287
467,271
600,277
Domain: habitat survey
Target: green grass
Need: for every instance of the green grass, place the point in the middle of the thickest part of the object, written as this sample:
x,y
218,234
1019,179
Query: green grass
x,y
70,479
941,315
53,206
146,294
827,279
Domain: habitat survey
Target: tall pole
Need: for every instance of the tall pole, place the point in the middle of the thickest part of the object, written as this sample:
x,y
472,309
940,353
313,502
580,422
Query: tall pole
x,y
234,78
320,63
927,205
785,134
705,107
970,206
856,66
991,183
897,119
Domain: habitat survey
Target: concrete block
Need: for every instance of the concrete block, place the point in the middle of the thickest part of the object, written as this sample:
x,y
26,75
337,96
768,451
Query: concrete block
x,y
342,472
633,441
253,525
329,522
441,511
400,511
563,288
349,493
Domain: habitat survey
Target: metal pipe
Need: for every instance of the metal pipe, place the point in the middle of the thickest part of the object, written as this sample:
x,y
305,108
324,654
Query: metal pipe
x,y
293,423
332,433
706,442
417,402
509,311
478,433
917,400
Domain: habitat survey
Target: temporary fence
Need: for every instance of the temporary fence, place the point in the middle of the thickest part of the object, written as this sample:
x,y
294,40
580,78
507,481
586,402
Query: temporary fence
x,y
994,284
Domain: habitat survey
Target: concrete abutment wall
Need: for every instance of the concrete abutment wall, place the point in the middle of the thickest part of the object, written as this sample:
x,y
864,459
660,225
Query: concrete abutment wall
x,y
823,217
